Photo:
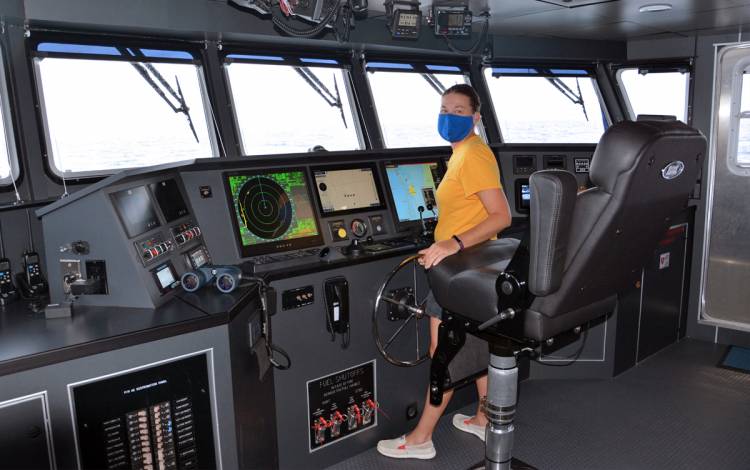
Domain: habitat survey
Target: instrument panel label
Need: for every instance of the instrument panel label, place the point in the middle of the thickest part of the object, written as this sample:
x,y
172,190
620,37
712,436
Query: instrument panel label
x,y
341,404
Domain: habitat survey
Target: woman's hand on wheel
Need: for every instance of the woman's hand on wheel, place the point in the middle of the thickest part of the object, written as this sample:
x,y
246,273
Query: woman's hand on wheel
x,y
437,252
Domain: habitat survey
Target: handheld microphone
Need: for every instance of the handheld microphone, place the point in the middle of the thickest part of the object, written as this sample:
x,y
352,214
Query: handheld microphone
x,y
420,209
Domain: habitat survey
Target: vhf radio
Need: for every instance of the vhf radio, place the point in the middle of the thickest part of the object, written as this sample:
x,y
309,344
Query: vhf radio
x,y
8,291
31,281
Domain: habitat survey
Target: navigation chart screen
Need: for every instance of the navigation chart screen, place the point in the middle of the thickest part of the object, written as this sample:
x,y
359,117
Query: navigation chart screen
x,y
413,185
345,190
272,211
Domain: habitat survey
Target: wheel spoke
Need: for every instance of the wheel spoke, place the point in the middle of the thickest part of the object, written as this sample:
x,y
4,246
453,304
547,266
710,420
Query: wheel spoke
x,y
416,327
398,331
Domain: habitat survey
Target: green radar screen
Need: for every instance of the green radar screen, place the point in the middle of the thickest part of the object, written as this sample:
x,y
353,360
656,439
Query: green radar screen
x,y
272,207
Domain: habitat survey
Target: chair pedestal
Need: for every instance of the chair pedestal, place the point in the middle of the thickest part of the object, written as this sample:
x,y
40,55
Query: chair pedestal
x,y
500,408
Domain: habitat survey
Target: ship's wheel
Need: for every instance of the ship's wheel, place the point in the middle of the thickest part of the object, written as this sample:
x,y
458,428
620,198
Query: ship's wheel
x,y
265,207
400,324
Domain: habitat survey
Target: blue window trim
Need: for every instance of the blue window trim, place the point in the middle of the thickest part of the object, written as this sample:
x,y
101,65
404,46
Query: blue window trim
x,y
263,58
443,68
309,60
73,49
389,65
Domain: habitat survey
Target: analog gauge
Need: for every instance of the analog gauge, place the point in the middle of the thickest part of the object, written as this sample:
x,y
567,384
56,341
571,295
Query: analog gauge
x,y
359,228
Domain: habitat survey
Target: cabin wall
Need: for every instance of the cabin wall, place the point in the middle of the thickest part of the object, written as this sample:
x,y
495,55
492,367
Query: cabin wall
x,y
212,21
701,47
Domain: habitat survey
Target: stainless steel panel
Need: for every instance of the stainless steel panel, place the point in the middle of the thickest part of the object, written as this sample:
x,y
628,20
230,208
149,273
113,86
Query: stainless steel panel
x,y
725,286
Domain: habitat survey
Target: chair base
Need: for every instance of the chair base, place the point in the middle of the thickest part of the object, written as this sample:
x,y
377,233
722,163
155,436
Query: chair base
x,y
515,464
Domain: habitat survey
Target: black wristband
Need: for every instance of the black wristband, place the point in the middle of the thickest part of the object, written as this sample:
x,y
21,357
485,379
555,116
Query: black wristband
x,y
460,243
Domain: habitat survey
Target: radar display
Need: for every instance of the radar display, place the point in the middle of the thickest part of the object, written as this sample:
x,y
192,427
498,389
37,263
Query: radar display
x,y
272,207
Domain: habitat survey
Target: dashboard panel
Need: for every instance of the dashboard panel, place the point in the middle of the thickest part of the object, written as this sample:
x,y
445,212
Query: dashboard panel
x,y
279,213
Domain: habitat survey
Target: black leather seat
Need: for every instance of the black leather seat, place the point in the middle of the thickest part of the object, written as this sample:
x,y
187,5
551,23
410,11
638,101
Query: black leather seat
x,y
581,251
583,248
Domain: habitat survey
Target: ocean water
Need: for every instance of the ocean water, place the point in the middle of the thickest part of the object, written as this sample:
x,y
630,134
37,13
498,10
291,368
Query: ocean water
x,y
118,152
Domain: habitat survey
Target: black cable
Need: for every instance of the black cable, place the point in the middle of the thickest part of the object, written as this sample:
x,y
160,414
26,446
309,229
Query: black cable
x,y
475,47
280,23
573,358
266,328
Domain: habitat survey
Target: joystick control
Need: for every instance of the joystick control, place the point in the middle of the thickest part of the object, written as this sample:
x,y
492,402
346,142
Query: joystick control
x,y
354,248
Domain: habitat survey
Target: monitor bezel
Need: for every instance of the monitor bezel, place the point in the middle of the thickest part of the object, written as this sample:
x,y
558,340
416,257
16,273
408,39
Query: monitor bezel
x,y
348,166
151,188
123,219
403,226
276,246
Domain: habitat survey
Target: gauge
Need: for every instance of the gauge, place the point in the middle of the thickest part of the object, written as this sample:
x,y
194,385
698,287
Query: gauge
x,y
359,228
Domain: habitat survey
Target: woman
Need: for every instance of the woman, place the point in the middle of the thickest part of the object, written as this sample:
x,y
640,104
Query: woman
x,y
473,209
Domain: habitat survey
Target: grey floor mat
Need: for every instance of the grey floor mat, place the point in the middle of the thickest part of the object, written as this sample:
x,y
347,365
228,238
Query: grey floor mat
x,y
676,410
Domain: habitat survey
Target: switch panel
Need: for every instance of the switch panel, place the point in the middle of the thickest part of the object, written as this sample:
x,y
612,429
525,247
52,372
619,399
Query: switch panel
x,y
296,298
377,224
153,248
338,230
341,404
582,165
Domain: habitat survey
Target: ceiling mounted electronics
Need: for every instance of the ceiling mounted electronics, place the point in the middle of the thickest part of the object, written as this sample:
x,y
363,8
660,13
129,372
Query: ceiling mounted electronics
x,y
654,7
451,18
403,18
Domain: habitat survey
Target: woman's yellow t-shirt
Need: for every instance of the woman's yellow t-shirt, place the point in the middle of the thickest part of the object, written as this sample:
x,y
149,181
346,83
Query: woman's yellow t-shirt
x,y
472,168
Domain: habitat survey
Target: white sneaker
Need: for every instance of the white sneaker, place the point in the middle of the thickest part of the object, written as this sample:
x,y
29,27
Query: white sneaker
x,y
462,422
398,449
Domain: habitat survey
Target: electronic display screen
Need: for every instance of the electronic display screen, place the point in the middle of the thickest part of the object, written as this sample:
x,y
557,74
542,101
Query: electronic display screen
x,y
523,195
136,211
198,257
408,19
413,185
272,211
342,190
455,19
170,199
165,276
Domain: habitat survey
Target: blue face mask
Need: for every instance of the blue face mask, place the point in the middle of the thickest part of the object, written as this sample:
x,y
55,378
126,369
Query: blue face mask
x,y
454,127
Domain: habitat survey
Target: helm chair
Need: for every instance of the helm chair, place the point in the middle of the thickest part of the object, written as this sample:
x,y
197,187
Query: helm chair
x,y
580,252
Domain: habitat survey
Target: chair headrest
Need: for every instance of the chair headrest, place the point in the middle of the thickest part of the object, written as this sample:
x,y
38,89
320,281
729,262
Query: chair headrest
x,y
622,146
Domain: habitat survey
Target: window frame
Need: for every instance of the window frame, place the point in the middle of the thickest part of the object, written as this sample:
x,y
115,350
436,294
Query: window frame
x,y
404,65
7,183
590,73
741,69
328,59
657,66
83,177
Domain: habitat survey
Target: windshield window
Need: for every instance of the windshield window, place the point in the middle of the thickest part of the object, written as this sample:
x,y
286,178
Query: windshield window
x,y
8,160
664,93
557,106
743,144
408,104
103,114
288,109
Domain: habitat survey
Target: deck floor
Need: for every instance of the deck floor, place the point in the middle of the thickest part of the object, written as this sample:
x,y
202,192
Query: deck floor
x,y
675,410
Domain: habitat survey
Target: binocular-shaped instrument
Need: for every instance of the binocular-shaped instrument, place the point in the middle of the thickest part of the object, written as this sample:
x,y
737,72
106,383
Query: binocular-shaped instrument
x,y
226,278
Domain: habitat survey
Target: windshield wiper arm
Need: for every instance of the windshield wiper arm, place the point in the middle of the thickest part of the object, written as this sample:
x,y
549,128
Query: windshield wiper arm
x,y
152,76
576,98
321,89
434,83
